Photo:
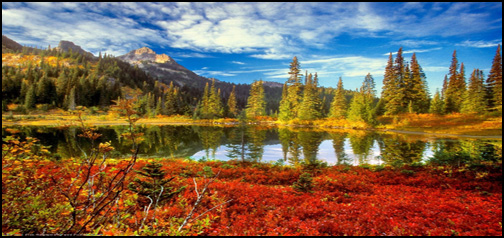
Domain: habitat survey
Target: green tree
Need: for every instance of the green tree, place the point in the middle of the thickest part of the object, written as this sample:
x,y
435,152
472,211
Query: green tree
x,y
361,108
204,104
215,109
71,99
391,91
455,90
232,104
171,105
304,183
436,105
417,91
284,108
339,103
289,105
256,105
155,187
29,102
61,86
45,90
474,98
401,75
494,83
310,107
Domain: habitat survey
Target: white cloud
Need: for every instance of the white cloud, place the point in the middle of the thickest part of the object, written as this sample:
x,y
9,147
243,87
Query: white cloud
x,y
213,73
480,44
50,23
415,51
415,43
237,62
443,19
350,66
265,30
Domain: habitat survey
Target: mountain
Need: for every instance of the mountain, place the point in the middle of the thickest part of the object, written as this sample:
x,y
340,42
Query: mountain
x,y
9,45
165,68
146,54
68,45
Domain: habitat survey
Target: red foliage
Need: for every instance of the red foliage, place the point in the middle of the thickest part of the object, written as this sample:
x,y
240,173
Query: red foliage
x,y
355,201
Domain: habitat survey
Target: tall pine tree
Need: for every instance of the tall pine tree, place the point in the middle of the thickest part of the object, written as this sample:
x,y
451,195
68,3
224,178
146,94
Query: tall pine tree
x,y
289,105
339,103
455,90
310,107
391,92
417,91
436,106
474,98
256,105
232,106
494,83
215,109
361,105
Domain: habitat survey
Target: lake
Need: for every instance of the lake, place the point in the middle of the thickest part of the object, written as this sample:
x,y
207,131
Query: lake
x,y
269,144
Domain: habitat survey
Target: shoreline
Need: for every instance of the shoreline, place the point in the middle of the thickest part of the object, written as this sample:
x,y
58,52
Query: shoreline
x,y
73,122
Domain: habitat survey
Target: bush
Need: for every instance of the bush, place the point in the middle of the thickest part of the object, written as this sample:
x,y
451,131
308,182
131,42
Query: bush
x,y
304,183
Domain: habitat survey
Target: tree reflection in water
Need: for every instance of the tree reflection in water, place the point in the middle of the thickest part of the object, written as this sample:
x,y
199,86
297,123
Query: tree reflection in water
x,y
261,144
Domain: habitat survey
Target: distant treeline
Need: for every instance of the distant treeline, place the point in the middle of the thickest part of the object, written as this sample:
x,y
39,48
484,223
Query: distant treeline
x,y
52,78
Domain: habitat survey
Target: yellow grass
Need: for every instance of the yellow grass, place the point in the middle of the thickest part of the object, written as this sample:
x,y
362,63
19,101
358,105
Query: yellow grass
x,y
456,123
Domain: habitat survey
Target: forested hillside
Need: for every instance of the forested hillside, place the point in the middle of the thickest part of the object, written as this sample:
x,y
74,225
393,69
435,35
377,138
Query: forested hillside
x,y
60,78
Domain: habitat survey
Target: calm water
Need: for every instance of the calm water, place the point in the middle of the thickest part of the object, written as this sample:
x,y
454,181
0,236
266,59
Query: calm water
x,y
267,144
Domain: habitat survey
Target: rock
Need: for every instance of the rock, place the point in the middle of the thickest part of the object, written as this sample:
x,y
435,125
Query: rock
x,y
68,45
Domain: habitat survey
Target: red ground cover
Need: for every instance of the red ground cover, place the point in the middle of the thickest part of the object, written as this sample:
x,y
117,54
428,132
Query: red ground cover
x,y
343,201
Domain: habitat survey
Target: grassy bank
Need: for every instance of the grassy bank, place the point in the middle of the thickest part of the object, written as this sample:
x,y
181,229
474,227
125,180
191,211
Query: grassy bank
x,y
457,124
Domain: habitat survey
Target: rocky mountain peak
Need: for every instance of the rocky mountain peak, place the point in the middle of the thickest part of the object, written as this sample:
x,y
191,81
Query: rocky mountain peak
x,y
143,50
68,45
146,54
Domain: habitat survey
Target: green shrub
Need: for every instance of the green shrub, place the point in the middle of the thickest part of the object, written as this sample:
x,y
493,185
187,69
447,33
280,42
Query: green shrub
x,y
304,183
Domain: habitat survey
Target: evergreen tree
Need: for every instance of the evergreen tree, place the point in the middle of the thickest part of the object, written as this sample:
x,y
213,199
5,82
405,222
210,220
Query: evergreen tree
x,y
494,83
71,99
310,107
203,106
256,105
29,102
295,76
368,87
156,187
45,90
339,104
159,107
417,91
361,105
445,87
284,108
392,92
474,98
61,86
215,109
401,75
436,106
455,90
170,105
289,106
232,104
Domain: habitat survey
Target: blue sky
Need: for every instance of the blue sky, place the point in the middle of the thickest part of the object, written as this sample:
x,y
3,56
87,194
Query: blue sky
x,y
243,42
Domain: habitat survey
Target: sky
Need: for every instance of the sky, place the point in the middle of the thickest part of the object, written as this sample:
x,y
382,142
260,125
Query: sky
x,y
243,42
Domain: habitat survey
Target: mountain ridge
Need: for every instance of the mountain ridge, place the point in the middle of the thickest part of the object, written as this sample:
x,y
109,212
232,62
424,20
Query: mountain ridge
x,y
66,46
